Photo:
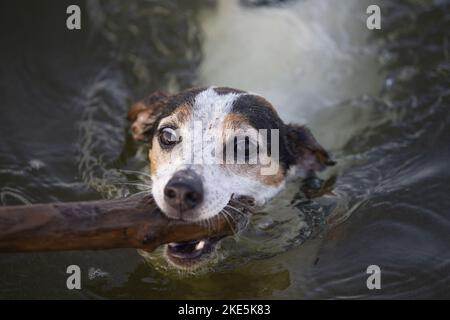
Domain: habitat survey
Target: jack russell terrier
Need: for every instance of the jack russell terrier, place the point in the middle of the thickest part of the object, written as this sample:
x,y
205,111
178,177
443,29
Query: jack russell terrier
x,y
211,146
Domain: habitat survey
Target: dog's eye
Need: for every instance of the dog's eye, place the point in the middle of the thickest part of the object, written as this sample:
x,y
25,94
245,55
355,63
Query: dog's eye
x,y
168,136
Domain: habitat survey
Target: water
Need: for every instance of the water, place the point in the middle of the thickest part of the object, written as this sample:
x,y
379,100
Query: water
x,y
378,100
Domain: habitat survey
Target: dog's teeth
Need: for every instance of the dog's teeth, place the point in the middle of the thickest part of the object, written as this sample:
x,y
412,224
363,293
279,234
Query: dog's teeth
x,y
200,245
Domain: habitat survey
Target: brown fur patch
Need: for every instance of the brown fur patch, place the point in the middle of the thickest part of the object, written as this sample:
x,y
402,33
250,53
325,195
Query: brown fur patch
x,y
183,113
156,156
253,171
144,113
274,179
235,121
153,156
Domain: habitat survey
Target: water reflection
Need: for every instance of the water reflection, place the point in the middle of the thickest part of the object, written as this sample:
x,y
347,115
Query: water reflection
x,y
251,281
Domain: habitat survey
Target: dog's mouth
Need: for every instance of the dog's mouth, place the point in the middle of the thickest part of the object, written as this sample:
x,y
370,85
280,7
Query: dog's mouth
x,y
191,253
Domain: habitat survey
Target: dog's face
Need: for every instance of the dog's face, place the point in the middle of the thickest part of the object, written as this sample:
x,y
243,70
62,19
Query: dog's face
x,y
211,146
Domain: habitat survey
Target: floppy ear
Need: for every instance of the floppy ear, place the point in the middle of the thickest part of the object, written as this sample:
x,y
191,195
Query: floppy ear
x,y
143,115
307,151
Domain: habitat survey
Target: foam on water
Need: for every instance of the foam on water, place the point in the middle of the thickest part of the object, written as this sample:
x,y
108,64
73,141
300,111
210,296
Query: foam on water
x,y
302,56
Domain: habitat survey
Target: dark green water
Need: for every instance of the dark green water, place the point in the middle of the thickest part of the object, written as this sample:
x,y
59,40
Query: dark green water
x,y
378,100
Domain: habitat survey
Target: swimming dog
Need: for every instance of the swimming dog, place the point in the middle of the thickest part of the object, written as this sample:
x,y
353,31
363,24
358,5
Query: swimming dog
x,y
210,146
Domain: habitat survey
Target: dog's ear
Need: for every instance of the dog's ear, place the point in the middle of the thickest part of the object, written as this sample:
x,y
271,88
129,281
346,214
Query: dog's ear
x,y
306,150
143,115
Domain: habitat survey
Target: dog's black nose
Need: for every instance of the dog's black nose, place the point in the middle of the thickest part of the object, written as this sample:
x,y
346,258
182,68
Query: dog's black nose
x,y
184,191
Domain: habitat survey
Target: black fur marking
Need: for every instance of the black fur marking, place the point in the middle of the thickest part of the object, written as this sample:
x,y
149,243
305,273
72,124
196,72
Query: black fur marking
x,y
261,115
226,90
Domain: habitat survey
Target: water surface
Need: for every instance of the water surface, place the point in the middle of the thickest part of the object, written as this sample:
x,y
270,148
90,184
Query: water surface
x,y
378,100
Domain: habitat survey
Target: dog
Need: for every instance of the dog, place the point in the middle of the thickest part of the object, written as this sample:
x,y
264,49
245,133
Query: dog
x,y
215,122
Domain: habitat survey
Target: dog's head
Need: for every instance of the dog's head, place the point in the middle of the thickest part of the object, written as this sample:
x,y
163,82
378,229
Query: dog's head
x,y
211,146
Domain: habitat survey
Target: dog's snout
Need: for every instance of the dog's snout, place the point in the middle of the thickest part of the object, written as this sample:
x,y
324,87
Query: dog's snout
x,y
184,191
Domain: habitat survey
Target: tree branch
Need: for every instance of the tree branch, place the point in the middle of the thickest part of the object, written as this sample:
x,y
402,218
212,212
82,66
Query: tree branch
x,y
134,222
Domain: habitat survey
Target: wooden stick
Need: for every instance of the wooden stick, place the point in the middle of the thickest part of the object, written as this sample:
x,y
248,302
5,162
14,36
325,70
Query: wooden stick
x,y
134,222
